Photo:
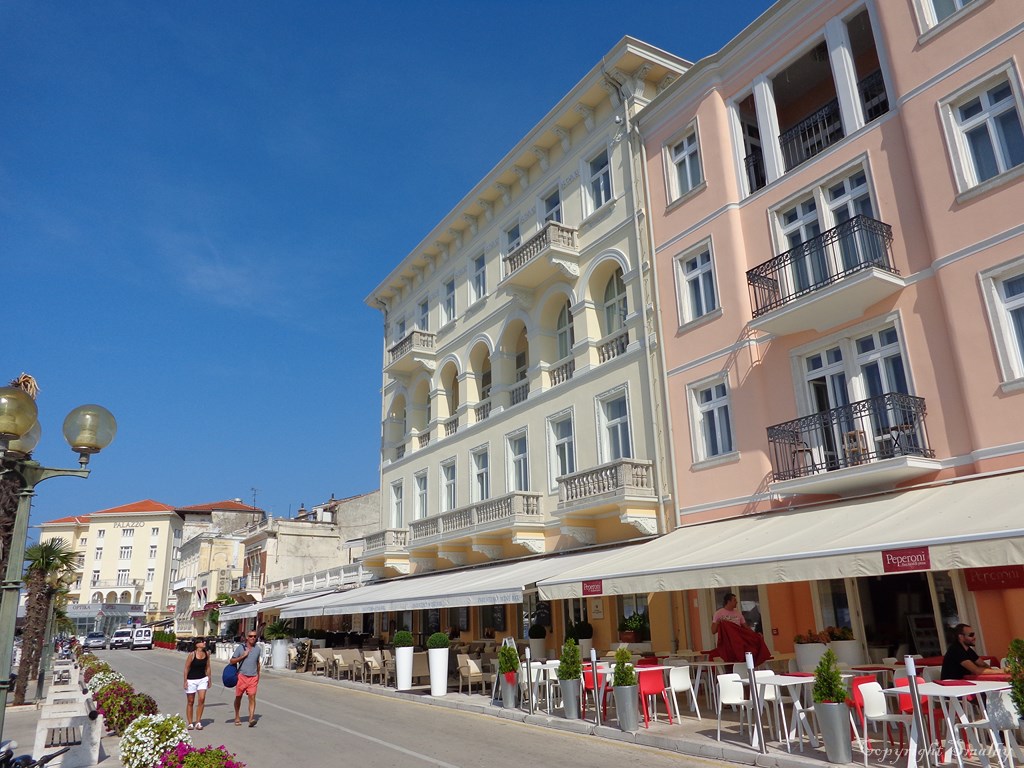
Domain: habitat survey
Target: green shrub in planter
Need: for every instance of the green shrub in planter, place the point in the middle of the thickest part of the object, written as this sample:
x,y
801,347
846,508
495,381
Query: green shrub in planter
x,y
437,640
537,632
277,630
508,659
569,667
125,712
624,674
828,681
1015,667
186,756
403,639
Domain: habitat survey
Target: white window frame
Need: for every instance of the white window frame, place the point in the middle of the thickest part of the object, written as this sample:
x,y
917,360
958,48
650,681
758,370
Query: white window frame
x,y
594,203
83,541
150,574
605,427
125,552
448,307
552,213
558,445
518,463
1009,349
681,162
397,505
960,154
481,463
928,18
615,311
423,321
101,533
688,311
154,532
513,236
449,486
701,411
152,552
478,280
98,554
422,498
124,577
565,336
127,533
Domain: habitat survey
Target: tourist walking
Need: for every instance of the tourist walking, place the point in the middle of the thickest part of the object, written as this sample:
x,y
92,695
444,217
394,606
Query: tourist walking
x,y
197,680
247,657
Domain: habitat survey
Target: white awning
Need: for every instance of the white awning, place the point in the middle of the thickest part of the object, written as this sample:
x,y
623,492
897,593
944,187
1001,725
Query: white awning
x,y
250,610
493,584
968,524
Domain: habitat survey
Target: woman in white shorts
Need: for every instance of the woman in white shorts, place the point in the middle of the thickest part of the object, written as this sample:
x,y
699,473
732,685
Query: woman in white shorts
x,y
197,680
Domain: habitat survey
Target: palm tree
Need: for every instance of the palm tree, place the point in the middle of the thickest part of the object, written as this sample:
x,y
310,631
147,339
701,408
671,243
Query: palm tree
x,y
47,567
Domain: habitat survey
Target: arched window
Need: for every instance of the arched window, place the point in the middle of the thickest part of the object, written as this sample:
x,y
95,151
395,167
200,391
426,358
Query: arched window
x,y
615,303
564,332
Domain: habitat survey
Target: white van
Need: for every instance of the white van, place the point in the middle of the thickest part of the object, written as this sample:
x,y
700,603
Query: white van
x,y
122,638
142,637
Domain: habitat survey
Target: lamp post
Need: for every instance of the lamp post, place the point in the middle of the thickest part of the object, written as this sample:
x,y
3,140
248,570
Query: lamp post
x,y
88,430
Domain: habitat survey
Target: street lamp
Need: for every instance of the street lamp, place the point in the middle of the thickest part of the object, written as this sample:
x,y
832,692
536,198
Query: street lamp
x,y
88,429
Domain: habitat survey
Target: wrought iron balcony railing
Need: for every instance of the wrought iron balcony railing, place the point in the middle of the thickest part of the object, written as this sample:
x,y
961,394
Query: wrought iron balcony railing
x,y
856,244
866,431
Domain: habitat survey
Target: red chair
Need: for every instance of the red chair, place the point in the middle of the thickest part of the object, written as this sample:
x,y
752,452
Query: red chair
x,y
647,661
651,683
588,689
856,705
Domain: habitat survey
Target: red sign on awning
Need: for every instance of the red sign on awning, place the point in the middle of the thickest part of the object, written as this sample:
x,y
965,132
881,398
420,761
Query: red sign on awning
x,y
903,560
996,577
593,587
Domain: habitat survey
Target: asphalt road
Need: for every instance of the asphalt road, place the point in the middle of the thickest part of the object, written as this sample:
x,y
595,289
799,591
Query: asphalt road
x,y
318,724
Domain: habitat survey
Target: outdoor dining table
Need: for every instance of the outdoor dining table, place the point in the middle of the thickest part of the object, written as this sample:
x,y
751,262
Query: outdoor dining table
x,y
706,669
798,721
951,695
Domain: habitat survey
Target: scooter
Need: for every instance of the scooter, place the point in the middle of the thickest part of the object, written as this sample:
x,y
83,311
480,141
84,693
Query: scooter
x,y
8,760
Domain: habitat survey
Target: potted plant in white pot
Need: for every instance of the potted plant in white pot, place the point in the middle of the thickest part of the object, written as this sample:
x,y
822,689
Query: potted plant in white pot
x,y
278,633
830,709
403,660
848,651
627,706
508,675
537,634
809,648
1015,668
569,673
437,659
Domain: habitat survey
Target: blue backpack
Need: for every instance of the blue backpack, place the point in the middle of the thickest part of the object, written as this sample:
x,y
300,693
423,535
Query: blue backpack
x,y
230,676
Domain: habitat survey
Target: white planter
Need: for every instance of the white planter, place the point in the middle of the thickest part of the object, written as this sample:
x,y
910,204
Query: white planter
x,y
538,651
278,654
808,655
403,668
437,658
848,652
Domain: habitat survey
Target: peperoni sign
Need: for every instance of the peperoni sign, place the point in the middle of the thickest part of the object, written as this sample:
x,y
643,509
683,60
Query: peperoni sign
x,y
997,577
902,560
593,588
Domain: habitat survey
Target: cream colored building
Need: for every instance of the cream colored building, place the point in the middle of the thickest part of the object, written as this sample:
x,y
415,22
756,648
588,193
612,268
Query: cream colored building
x,y
520,414
127,559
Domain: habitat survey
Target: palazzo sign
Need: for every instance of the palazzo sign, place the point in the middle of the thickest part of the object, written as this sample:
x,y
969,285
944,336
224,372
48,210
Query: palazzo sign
x,y
593,588
904,560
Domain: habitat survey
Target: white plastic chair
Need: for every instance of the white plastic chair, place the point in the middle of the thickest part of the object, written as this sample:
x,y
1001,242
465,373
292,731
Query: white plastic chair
x,y
770,696
730,694
679,681
875,710
1002,719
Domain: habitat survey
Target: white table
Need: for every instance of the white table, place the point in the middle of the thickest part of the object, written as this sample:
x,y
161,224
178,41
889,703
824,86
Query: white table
x,y
707,669
798,721
951,700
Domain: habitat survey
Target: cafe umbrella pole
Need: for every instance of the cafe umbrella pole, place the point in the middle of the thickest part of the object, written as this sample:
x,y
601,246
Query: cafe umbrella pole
x,y
597,690
915,703
529,679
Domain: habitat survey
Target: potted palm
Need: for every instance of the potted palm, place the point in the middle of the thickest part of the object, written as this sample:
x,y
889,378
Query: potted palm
x,y
537,634
403,660
437,658
508,674
831,710
809,648
278,633
625,691
569,673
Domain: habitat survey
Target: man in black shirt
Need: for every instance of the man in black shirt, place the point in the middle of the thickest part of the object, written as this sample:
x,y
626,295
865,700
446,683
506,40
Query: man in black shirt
x,y
961,659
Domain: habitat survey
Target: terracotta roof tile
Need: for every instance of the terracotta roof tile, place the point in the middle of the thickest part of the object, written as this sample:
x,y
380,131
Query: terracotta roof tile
x,y
146,505
231,504
77,519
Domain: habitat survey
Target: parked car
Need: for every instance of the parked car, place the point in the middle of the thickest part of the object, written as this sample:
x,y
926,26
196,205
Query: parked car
x,y
142,637
122,638
95,640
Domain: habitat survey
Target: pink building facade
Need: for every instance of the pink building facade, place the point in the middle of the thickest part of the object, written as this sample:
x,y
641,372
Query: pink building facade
x,y
836,204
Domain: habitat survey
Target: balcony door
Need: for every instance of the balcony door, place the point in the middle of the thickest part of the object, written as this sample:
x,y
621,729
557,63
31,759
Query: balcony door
x,y
829,396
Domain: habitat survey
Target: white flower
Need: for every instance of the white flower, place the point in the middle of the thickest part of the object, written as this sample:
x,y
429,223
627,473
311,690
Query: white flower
x,y
149,736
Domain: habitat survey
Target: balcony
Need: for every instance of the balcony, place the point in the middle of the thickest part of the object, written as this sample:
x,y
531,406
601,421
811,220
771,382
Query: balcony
x,y
413,353
552,252
826,281
611,347
867,445
503,514
561,373
625,485
388,540
116,584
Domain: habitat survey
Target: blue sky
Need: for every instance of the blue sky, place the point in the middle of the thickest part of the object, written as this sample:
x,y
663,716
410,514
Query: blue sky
x,y
195,199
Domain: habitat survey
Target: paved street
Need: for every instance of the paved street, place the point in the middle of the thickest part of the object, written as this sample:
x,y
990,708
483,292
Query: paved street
x,y
324,725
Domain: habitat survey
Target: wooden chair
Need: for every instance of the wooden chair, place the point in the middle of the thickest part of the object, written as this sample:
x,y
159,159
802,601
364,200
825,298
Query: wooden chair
x,y
470,672
319,664
855,447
